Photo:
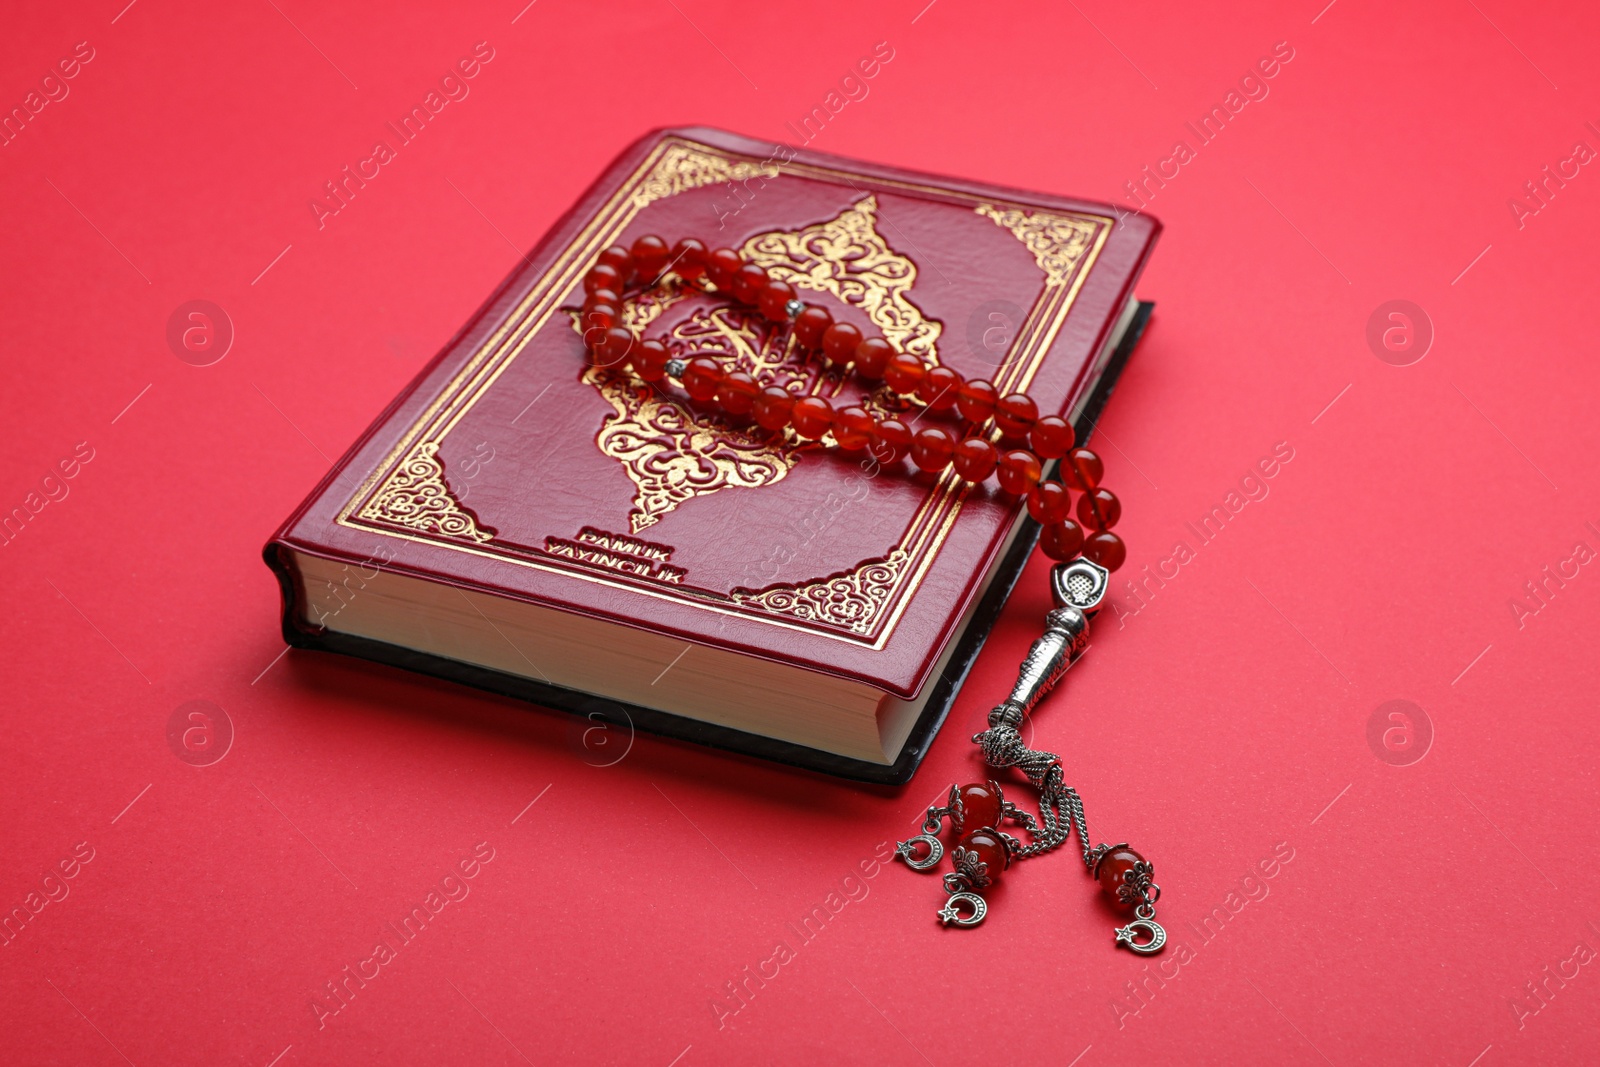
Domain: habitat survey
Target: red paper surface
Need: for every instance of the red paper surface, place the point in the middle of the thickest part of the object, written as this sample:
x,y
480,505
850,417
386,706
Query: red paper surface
x,y
1222,725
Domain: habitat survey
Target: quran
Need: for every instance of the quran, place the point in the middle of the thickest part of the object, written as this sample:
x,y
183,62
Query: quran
x,y
529,522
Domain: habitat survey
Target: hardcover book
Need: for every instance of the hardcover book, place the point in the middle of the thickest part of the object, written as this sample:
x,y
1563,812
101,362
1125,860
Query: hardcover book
x,y
527,523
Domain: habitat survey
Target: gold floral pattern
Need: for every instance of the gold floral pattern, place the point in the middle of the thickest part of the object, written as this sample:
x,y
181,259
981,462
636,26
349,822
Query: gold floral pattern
x,y
851,600
417,496
674,453
1058,242
684,167
847,257
408,495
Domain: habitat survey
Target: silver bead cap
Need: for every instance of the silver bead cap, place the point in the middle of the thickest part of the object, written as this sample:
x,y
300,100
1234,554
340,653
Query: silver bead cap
x,y
1080,584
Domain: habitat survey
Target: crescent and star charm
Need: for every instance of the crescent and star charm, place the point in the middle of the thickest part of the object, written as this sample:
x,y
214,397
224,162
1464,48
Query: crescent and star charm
x,y
950,913
1158,936
907,850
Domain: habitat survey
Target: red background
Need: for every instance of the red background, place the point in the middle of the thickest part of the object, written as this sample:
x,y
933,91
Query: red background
x,y
1227,716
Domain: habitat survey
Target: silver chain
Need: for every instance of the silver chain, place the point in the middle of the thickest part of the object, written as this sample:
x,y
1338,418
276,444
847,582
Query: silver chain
x,y
1060,807
1079,587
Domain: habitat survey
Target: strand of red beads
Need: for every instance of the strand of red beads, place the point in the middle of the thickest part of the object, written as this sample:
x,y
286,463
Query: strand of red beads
x,y
964,446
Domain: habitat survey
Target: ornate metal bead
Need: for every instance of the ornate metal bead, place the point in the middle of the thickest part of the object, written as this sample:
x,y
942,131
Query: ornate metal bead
x,y
1080,584
979,858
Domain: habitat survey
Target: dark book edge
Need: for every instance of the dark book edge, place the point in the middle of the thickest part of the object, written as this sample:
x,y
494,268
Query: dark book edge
x,y
666,724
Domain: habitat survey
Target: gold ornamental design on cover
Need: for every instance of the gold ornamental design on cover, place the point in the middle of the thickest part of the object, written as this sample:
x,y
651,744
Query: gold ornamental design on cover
x,y
409,495
674,453
851,600
684,166
1058,242
416,496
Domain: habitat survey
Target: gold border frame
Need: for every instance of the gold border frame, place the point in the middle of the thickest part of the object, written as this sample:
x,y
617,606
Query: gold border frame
x,y
934,516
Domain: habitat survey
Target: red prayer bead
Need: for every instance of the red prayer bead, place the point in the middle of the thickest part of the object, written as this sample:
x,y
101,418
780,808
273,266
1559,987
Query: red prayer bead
x,y
979,807
989,850
613,349
1019,471
701,377
721,265
975,459
1049,502
939,388
689,259
1106,549
612,345
596,320
976,399
599,315
748,282
650,255
1082,469
1051,437
737,392
619,259
1061,540
891,440
650,360
1113,868
1099,509
774,301
812,416
1015,414
772,408
904,372
931,449
811,324
602,276
852,428
872,356
839,342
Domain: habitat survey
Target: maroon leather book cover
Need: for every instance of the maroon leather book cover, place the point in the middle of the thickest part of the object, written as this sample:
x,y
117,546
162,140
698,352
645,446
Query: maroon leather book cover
x,y
509,466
